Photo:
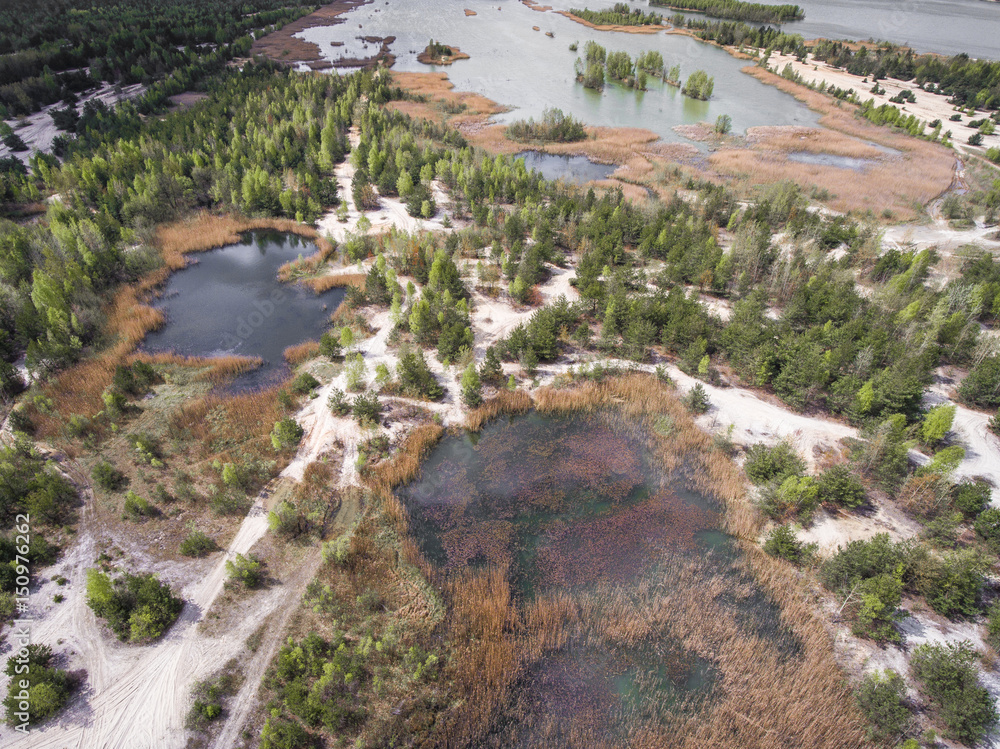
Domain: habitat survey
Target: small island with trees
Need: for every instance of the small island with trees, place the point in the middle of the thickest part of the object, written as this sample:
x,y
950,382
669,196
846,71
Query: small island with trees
x,y
440,54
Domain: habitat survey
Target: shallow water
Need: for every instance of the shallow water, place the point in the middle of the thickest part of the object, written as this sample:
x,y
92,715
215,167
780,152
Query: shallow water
x,y
829,159
528,71
575,169
575,506
229,302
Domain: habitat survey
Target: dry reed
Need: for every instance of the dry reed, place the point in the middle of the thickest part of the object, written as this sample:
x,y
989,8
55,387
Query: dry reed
x,y
302,352
319,284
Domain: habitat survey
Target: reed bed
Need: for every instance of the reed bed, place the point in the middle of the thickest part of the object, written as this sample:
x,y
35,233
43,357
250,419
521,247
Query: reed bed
x,y
762,698
504,403
207,231
301,352
319,284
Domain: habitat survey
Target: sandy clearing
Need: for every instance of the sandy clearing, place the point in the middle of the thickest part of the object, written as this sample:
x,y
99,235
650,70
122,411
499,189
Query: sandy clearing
x,y
928,107
40,130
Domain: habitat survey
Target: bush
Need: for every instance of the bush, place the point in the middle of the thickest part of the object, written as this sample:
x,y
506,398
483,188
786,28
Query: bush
x,y
329,346
971,497
286,434
882,699
246,572
415,378
355,372
108,477
279,733
796,495
137,507
764,464
198,544
840,486
367,409
304,384
48,688
993,623
982,387
782,543
338,403
860,560
950,582
138,608
937,424
696,399
987,526
948,676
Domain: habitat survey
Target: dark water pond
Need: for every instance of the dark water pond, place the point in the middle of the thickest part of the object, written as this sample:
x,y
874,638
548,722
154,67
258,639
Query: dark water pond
x,y
575,506
575,169
229,302
829,159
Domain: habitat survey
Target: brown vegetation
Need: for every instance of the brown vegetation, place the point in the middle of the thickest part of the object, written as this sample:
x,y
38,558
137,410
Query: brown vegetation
x,y
301,352
469,12
283,46
456,54
764,696
319,284
896,184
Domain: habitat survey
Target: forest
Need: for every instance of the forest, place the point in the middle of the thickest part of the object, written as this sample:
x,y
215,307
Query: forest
x,y
52,51
622,14
737,9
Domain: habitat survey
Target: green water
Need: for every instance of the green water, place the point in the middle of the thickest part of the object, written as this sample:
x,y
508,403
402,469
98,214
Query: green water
x,y
577,506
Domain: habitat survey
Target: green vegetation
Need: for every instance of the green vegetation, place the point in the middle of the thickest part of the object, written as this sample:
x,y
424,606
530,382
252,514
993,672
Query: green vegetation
x,y
198,544
36,687
699,85
840,486
287,433
615,65
137,608
781,542
948,676
621,14
882,699
211,695
764,464
245,572
743,11
555,127
108,477
53,53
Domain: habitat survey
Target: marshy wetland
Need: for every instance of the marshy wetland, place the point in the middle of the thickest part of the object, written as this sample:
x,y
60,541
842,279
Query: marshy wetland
x,y
617,604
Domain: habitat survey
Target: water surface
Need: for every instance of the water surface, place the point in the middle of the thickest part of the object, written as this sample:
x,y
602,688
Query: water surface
x,y
229,302
575,169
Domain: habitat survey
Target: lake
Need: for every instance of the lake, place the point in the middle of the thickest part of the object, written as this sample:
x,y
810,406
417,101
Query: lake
x,y
229,301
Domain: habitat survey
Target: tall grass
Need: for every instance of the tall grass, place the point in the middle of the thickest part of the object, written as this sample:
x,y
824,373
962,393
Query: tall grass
x,y
319,284
301,352
505,402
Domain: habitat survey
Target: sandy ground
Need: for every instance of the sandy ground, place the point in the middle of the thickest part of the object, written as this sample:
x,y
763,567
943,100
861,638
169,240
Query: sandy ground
x,y
928,107
38,130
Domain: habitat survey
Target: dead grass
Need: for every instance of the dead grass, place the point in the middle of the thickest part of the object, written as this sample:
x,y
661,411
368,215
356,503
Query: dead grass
x,y
319,284
920,174
505,402
301,352
283,46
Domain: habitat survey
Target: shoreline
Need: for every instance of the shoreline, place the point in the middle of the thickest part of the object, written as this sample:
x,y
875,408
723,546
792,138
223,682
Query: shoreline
x,y
284,47
648,29
456,55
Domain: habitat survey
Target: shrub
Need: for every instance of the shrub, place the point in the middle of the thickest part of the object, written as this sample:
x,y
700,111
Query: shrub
x,y
338,403
950,582
795,495
198,544
782,543
245,572
948,676
839,485
993,623
882,699
279,733
937,424
137,507
971,497
138,608
765,463
982,387
355,372
329,346
287,433
860,560
987,525
304,383
108,477
880,597
696,399
210,696
48,688
367,409
415,378
472,389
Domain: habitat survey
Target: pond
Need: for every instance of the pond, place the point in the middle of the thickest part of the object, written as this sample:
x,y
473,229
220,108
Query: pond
x,y
577,516
828,159
575,169
528,71
229,301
